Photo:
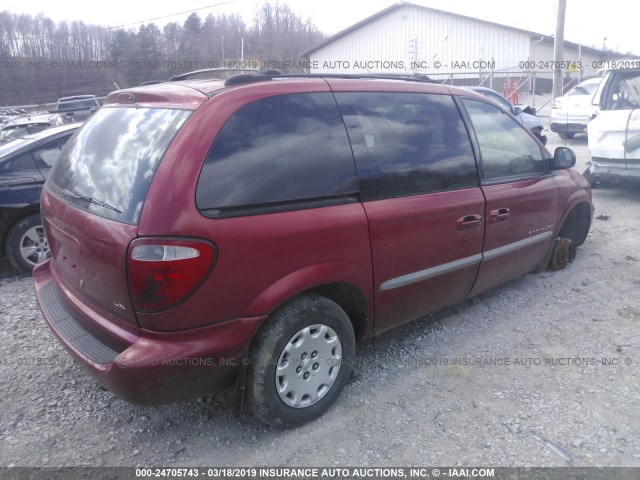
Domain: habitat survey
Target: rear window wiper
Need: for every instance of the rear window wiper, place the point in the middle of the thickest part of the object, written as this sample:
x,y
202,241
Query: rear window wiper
x,y
89,199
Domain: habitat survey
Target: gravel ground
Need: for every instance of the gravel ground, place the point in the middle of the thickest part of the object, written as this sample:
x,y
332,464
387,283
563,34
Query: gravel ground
x,y
550,377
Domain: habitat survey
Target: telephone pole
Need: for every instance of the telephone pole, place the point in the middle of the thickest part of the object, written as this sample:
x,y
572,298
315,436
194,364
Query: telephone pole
x,y
558,50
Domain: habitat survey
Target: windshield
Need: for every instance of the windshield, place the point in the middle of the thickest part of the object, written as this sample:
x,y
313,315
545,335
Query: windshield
x,y
113,159
622,91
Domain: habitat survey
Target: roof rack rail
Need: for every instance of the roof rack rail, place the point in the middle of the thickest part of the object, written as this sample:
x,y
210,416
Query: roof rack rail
x,y
264,75
185,76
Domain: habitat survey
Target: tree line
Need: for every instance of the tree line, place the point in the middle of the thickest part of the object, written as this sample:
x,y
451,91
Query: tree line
x,y
41,60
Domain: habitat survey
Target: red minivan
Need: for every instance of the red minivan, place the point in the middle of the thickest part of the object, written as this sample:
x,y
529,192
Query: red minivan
x,y
243,234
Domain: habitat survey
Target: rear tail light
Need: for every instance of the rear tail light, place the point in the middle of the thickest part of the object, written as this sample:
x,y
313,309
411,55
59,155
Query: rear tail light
x,y
165,271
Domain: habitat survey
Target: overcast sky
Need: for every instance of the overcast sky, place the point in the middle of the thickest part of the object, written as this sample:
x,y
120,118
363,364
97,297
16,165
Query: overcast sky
x,y
587,21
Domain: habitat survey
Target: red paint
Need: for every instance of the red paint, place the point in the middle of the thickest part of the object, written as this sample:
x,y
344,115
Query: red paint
x,y
259,262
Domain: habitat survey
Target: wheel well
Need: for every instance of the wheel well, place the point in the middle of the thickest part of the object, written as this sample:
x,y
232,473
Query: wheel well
x,y
345,295
351,300
24,213
576,225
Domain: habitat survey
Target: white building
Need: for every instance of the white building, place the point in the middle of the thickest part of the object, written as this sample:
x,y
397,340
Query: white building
x,y
408,39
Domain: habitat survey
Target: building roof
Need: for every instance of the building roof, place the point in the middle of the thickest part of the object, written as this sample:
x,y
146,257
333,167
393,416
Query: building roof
x,y
398,5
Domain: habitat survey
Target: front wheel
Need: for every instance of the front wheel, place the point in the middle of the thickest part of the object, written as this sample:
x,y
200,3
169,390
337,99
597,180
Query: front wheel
x,y
300,362
27,244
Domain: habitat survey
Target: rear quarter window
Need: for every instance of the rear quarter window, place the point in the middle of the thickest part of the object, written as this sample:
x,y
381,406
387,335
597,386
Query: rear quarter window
x,y
279,153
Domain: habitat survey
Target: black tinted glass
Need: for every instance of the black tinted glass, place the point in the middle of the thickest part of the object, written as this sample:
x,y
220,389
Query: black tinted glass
x,y
25,162
407,143
277,151
113,159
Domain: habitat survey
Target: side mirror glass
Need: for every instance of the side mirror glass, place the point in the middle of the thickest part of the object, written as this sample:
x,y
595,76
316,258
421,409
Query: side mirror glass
x,y
517,110
563,158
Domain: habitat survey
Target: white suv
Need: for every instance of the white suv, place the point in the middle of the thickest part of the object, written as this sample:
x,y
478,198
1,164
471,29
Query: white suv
x,y
571,112
614,133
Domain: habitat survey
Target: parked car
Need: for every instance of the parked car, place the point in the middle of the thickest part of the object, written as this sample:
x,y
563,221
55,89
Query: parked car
x,y
25,163
614,132
29,124
530,121
79,107
242,234
571,112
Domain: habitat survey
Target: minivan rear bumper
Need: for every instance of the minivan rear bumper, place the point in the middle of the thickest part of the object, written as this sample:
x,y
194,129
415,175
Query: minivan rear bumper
x,y
155,367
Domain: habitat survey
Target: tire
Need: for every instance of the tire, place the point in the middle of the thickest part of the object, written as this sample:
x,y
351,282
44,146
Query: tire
x,y
26,243
308,328
566,135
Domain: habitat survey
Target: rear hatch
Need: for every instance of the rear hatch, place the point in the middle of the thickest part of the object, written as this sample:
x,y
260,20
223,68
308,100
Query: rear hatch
x,y
93,200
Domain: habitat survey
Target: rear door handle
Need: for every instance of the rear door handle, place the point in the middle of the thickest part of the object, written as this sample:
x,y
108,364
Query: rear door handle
x,y
499,214
469,221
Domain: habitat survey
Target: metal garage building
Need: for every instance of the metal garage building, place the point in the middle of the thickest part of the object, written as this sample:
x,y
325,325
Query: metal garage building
x,y
408,39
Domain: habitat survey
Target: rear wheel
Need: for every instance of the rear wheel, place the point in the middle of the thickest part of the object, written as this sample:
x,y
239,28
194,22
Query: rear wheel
x,y
27,244
300,362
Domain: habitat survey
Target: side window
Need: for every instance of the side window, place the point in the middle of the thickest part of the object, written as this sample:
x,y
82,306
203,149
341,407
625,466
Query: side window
x,y
278,153
407,143
506,149
623,92
46,156
25,162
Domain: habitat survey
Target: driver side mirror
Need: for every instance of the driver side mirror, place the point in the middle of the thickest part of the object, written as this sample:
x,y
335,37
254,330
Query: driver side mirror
x,y
517,110
563,158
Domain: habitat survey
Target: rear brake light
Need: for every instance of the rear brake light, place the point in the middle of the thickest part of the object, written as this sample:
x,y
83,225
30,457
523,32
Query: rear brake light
x,y
165,271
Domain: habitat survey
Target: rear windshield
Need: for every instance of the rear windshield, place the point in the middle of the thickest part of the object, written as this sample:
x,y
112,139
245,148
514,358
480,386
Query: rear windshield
x,y
584,89
107,168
